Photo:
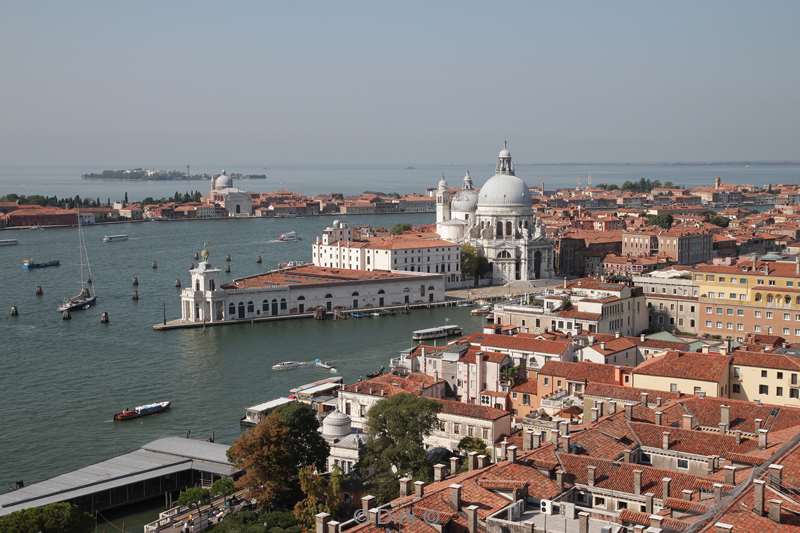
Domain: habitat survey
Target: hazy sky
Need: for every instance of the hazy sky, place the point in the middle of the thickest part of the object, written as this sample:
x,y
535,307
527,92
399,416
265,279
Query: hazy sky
x,y
397,82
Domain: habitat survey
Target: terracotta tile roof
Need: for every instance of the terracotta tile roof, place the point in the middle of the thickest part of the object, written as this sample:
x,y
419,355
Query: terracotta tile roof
x,y
581,371
528,386
632,517
482,412
607,439
766,360
742,414
391,384
687,365
620,392
686,506
488,356
740,515
691,441
309,275
579,315
518,343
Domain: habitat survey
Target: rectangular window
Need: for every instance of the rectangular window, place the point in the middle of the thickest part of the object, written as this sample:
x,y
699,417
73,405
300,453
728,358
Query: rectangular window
x,y
645,458
673,387
763,373
683,464
769,314
763,389
757,314
599,502
794,393
736,388
778,391
708,310
740,312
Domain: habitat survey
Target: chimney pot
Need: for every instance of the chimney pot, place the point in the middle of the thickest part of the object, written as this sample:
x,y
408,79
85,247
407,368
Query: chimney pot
x,y
405,486
659,417
627,456
472,518
758,424
775,510
628,411
686,494
527,440
438,471
483,461
590,473
419,489
665,483
472,458
730,474
665,440
637,482
717,492
643,399
763,438
565,443
537,440
725,416
775,474
687,421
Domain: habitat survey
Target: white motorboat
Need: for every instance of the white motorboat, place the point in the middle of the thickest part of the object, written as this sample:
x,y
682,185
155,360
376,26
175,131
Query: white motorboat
x,y
289,365
8,242
289,236
114,238
439,332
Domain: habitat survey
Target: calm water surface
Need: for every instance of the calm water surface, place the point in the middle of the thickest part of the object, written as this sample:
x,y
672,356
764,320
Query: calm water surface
x,y
62,380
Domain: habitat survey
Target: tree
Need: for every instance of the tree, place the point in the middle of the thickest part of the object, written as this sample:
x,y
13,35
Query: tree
x,y
396,428
224,486
194,497
397,229
322,494
663,221
53,518
719,220
125,202
472,444
275,450
473,264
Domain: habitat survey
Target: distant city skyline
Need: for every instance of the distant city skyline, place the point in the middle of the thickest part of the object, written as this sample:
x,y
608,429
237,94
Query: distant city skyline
x,y
361,83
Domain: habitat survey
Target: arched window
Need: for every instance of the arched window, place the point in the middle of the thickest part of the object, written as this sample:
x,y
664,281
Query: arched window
x,y
769,298
498,229
504,254
250,307
430,288
283,304
197,285
381,291
509,228
355,293
301,298
265,305
787,300
231,309
329,295
758,296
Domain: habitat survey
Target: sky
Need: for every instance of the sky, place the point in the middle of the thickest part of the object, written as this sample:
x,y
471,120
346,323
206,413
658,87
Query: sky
x,y
268,83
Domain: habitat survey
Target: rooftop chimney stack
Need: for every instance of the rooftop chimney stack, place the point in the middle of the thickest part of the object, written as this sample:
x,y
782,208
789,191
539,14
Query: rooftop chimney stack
x,y
687,421
757,424
590,472
665,483
659,417
537,440
483,460
527,440
628,411
776,474
472,458
419,489
717,492
665,440
763,438
643,399
472,518
730,474
405,486
565,443
758,496
686,494
438,471
775,510
725,417
512,454
453,465
637,482
454,492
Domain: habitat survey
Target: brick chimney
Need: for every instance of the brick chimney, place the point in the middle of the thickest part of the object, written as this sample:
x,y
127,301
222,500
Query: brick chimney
x,y
590,472
627,456
725,417
453,465
454,495
367,503
512,453
527,440
665,484
730,474
686,494
438,471
628,411
405,486
775,510
483,460
472,460
656,521
419,489
643,399
637,482
775,474
687,421
758,496
659,418
763,438
472,518
665,440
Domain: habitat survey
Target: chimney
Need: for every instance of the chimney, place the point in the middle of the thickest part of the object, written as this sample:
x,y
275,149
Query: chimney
x,y
590,471
730,474
686,494
595,414
659,417
454,494
642,337
656,521
472,518
616,334
775,474
627,456
775,511
659,401
334,526
643,399
483,461
453,465
665,440
554,433
648,502
537,440
321,522
637,482
375,516
717,492
367,503
527,440
405,486
512,454
757,424
628,411
758,496
503,448
612,406
438,471
665,483
583,522
419,489
763,438
472,460
705,349
738,435
563,425
560,479
687,421
564,444
725,417
603,346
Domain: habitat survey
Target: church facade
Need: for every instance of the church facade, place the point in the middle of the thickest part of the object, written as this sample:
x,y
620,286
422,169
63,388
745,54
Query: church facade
x,y
236,202
499,222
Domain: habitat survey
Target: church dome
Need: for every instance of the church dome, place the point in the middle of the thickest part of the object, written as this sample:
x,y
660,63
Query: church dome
x,y
223,181
503,190
336,425
465,201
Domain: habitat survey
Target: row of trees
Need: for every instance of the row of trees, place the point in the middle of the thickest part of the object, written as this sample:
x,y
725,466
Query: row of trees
x,y
643,185
54,518
55,201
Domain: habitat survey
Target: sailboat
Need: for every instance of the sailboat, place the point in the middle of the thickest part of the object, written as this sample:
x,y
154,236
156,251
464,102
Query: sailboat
x,y
85,298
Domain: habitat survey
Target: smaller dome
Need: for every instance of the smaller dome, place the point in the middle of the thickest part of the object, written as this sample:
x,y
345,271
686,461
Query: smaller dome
x,y
504,153
336,425
442,184
465,200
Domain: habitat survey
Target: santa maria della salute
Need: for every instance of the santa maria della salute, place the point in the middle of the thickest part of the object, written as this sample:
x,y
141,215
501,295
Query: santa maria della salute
x,y
498,221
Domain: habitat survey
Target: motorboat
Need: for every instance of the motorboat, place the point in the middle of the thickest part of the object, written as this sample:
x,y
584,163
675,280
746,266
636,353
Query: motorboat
x,y
439,332
142,410
289,236
115,238
290,365
8,242
482,310
30,264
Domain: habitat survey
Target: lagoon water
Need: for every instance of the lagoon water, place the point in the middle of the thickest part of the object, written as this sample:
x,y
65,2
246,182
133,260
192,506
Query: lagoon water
x,y
61,381
352,179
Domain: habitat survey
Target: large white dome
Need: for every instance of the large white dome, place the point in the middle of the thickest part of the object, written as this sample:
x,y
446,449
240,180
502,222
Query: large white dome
x,y
336,425
504,190
223,181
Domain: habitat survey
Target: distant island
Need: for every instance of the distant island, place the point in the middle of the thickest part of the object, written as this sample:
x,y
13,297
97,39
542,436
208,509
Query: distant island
x,y
143,174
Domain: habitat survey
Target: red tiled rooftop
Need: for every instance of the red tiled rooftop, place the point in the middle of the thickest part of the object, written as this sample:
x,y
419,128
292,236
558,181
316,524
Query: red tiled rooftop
x,y
310,275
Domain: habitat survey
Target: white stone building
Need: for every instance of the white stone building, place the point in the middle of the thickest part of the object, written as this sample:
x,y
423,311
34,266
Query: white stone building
x,y
235,201
345,444
498,221
299,290
340,247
